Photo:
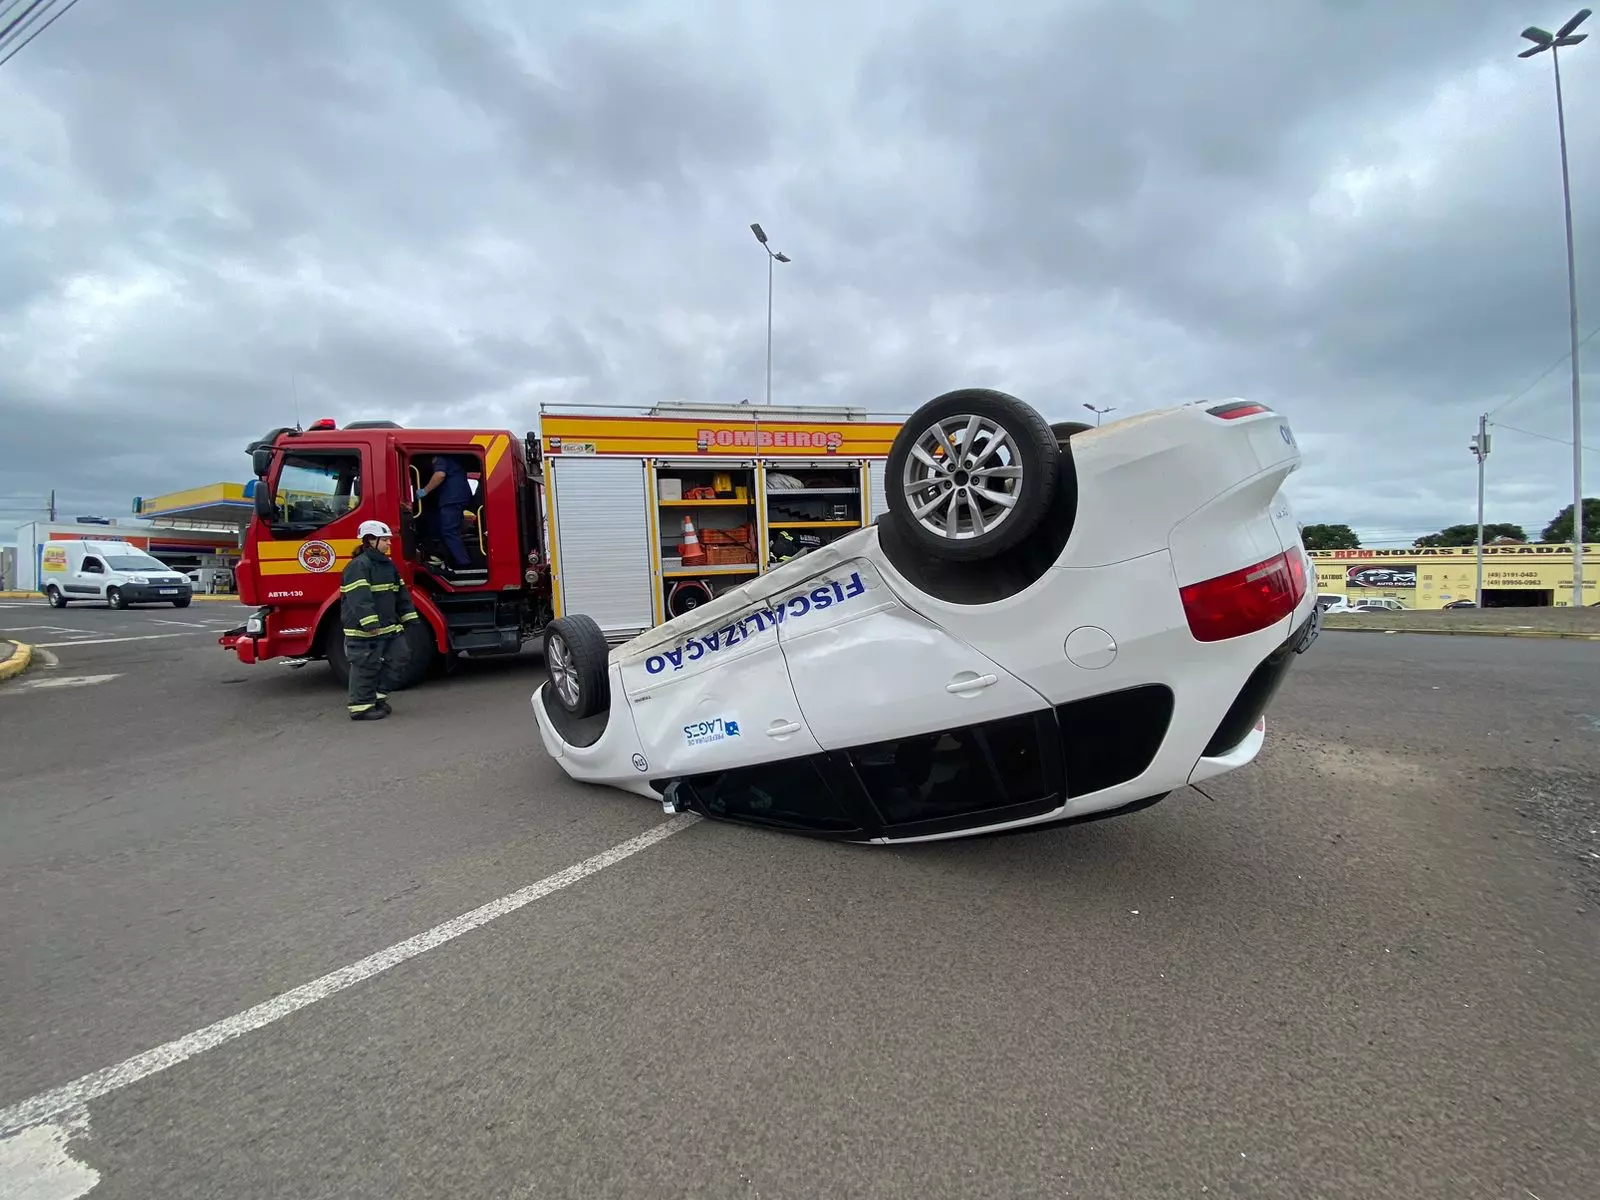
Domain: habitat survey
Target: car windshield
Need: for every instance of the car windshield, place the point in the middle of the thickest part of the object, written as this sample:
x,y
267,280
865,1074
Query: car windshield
x,y
134,562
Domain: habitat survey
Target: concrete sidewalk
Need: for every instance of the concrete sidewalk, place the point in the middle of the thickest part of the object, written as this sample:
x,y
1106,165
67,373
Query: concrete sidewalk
x,y
1580,624
14,659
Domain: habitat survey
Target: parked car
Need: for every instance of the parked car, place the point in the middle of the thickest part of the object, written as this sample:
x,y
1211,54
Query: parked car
x,y
111,572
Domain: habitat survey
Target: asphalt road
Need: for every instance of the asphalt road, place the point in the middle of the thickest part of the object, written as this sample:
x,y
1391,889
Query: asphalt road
x,y
1365,967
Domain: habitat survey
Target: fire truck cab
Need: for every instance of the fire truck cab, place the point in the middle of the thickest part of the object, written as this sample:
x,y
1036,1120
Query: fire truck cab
x,y
312,490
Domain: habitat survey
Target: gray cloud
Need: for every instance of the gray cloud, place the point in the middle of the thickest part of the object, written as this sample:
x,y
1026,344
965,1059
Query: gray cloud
x,y
214,216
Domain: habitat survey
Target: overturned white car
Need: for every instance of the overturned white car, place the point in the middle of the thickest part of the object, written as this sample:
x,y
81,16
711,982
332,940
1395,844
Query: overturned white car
x,y
1051,623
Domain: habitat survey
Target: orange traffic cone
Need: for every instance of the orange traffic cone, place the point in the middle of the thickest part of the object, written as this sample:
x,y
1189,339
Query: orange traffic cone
x,y
691,553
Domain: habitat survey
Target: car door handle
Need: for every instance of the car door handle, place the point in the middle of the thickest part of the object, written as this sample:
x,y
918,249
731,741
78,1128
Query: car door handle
x,y
783,728
969,682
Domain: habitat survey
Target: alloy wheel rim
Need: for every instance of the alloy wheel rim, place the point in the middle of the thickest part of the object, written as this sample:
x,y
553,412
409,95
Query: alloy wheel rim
x,y
962,477
562,673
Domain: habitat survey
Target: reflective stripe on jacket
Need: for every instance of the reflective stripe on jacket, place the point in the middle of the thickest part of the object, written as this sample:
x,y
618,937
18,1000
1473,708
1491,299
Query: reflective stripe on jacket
x,y
373,599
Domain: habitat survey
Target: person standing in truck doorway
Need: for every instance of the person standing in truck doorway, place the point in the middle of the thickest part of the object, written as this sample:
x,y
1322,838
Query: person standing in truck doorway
x,y
452,494
375,605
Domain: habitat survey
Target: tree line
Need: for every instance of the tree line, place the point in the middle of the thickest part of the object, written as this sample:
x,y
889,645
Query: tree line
x,y
1558,531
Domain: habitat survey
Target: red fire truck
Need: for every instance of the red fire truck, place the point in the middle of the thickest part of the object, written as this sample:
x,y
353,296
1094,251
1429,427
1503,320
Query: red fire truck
x,y
312,490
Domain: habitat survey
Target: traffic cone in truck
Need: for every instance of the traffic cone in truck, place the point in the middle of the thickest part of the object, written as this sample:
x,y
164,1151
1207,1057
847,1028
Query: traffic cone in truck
x,y
691,552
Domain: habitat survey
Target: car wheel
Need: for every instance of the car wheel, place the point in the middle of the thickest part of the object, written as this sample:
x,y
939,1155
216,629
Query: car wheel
x,y
184,603
971,474
575,653
57,600
116,599
1065,429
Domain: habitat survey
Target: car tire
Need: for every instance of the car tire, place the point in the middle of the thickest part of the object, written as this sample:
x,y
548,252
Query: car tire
x,y
115,598
53,594
184,603
576,654
1064,430
1029,456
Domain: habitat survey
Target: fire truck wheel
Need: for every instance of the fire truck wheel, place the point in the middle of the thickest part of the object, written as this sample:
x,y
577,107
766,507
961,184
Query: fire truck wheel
x,y
575,653
971,474
424,654
333,648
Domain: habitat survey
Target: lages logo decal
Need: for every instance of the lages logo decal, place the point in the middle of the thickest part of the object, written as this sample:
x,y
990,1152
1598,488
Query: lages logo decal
x,y
317,557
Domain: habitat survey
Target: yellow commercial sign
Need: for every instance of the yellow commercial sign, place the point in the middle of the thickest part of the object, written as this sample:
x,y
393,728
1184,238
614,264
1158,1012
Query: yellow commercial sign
x,y
1432,578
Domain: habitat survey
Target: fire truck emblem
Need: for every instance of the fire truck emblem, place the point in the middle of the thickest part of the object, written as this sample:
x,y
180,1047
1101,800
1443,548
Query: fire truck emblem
x,y
317,557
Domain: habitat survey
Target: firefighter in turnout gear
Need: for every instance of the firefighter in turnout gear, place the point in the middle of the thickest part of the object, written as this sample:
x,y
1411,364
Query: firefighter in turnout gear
x,y
376,608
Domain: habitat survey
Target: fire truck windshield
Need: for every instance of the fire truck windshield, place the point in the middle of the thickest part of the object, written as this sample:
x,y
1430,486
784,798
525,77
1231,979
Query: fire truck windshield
x,y
317,487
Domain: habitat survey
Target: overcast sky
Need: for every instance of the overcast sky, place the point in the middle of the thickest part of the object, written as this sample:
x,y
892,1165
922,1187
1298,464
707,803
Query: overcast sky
x,y
447,213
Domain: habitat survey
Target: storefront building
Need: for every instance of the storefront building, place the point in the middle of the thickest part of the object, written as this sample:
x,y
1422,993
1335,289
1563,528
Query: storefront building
x,y
1514,576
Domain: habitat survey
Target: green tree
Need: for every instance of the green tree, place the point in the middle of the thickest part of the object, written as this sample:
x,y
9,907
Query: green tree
x,y
1560,527
1467,535
1330,537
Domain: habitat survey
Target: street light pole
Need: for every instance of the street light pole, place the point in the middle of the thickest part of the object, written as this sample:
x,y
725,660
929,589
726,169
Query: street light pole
x,y
1543,40
1098,413
772,257
1480,450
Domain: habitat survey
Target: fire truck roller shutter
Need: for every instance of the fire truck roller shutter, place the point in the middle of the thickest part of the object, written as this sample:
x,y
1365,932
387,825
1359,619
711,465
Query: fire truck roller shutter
x,y
602,541
877,472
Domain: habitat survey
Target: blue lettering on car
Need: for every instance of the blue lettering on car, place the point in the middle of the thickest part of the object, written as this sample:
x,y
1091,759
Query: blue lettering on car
x,y
790,608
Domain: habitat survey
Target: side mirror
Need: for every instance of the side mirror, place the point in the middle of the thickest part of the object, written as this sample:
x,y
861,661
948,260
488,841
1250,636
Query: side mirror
x,y
675,800
261,461
266,507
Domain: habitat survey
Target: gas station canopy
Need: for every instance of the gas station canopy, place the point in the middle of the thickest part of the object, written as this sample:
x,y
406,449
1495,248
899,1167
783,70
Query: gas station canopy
x,y
228,504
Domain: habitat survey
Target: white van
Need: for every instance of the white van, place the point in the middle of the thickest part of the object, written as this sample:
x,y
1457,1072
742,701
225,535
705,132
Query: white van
x,y
113,572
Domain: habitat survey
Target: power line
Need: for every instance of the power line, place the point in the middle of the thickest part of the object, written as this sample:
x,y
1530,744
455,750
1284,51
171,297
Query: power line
x,y
1540,378
23,44
26,15
1547,437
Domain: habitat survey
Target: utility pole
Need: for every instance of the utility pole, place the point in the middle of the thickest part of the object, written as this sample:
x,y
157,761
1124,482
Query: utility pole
x,y
1098,413
1554,42
1480,450
772,257
52,506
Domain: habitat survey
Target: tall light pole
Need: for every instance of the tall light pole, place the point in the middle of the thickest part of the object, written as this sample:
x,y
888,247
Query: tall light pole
x,y
1480,450
773,256
1543,40
1098,413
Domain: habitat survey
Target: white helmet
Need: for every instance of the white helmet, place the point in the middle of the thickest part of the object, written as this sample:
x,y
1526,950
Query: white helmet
x,y
375,529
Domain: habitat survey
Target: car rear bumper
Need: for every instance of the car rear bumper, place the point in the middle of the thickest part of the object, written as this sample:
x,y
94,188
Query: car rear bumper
x,y
604,749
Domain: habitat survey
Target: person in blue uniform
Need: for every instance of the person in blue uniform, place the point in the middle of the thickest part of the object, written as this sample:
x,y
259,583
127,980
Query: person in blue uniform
x,y
452,494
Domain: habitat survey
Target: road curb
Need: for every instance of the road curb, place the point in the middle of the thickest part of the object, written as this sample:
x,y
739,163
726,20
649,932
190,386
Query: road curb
x,y
197,598
18,661
1522,633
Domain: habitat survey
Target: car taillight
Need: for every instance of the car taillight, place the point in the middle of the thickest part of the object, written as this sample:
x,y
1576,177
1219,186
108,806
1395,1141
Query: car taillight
x,y
1241,408
1242,602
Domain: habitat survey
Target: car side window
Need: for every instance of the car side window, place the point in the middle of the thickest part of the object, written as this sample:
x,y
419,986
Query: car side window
x,y
792,794
957,772
92,566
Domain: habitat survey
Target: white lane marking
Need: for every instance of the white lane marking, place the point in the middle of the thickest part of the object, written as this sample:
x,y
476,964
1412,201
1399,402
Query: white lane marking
x,y
141,1066
188,624
59,681
143,637
41,628
35,1163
